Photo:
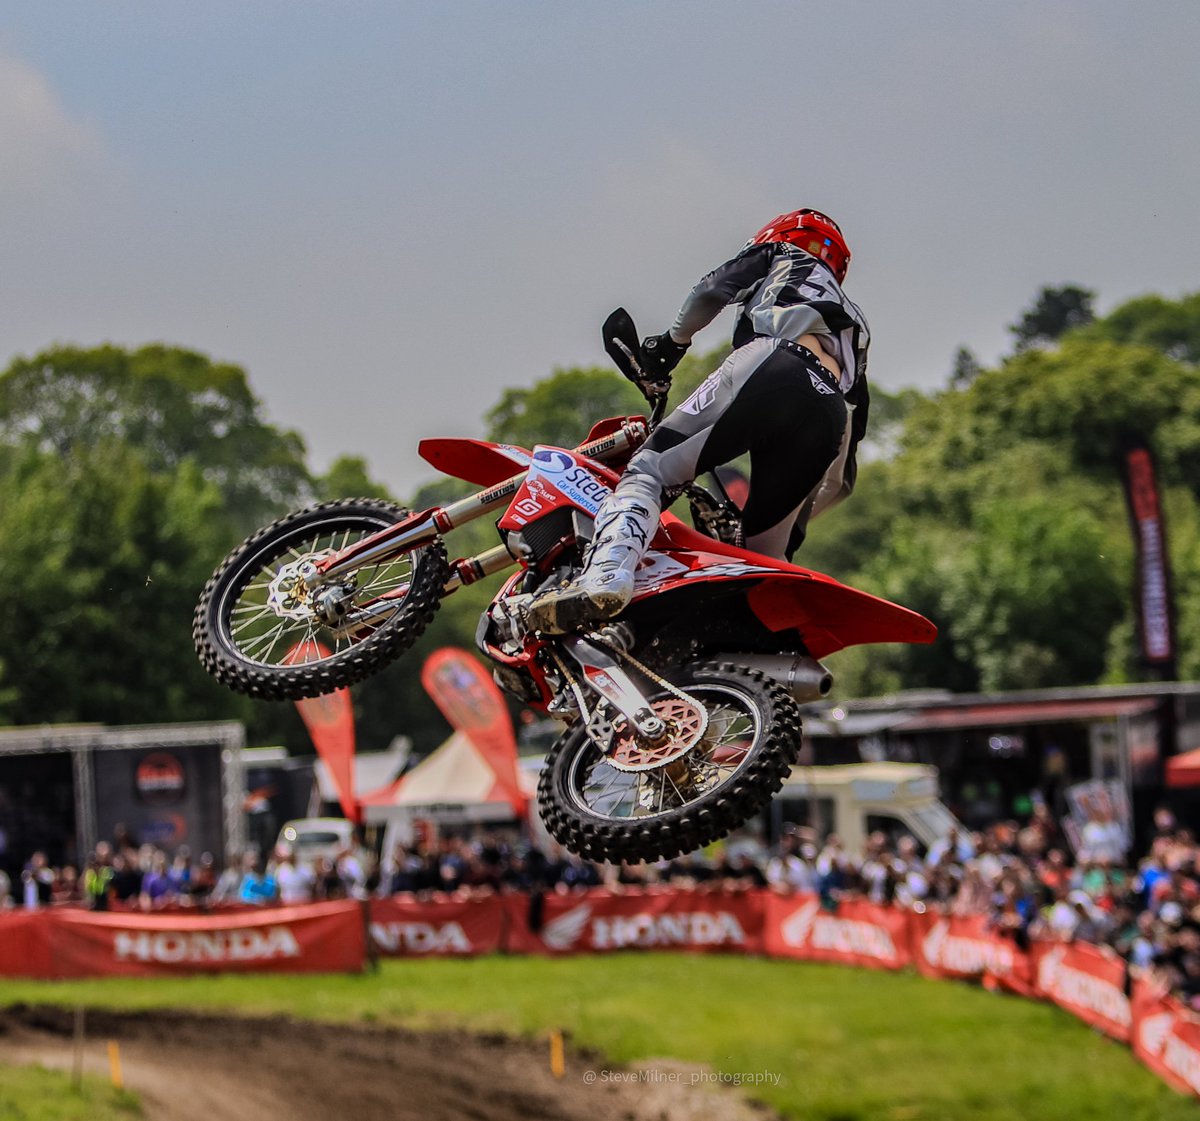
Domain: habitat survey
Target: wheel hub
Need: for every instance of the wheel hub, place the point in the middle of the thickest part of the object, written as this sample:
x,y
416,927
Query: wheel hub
x,y
685,724
290,597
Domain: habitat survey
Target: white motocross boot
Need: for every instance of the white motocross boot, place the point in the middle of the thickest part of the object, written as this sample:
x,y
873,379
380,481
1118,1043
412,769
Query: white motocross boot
x,y
624,526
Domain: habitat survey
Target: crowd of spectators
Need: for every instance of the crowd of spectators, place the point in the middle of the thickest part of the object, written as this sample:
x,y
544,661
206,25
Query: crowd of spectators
x,y
1022,878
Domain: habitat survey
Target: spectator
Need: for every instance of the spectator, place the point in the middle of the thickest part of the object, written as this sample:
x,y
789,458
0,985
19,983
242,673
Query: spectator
x,y
257,886
229,883
158,888
126,880
98,882
789,869
37,882
295,881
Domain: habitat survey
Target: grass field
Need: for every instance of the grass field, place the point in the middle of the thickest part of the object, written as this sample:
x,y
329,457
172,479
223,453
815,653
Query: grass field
x,y
846,1044
34,1094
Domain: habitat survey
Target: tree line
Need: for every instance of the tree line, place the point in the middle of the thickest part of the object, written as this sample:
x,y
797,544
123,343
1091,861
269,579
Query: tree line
x,y
993,505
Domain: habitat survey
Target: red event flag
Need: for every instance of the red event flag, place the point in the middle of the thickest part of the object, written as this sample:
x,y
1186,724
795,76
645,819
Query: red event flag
x,y
470,701
330,722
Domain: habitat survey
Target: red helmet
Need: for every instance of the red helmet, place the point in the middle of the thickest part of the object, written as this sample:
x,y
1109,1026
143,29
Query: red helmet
x,y
812,231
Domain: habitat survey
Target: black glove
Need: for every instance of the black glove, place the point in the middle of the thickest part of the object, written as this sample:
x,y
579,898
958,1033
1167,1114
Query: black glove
x,y
658,356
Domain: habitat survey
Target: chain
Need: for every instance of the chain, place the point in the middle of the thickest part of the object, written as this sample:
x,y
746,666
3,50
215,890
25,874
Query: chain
x,y
674,690
576,688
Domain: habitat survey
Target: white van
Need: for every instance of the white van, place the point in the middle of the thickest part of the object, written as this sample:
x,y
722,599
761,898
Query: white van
x,y
312,838
854,800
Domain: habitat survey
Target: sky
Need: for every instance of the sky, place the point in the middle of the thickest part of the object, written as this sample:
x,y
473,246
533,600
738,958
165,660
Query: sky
x,y
388,213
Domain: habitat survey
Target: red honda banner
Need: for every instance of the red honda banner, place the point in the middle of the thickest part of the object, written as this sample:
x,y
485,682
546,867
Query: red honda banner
x,y
436,928
1154,602
959,946
641,920
315,938
471,703
24,951
855,933
1088,981
330,723
1166,1037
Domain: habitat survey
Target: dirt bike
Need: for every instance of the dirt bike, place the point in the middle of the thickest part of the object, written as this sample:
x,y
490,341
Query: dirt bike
x,y
681,715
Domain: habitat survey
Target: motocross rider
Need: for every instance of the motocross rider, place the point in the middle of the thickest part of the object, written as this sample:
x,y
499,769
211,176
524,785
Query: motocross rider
x,y
793,394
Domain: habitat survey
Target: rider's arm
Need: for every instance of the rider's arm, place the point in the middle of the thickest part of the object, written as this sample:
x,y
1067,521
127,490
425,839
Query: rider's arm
x,y
729,283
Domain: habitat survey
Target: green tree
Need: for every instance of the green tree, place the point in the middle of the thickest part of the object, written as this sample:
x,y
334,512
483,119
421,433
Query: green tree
x,y
102,560
348,477
965,370
174,405
1054,312
562,408
1170,326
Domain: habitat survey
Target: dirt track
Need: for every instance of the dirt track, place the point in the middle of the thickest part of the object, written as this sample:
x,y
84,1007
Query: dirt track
x,y
202,1068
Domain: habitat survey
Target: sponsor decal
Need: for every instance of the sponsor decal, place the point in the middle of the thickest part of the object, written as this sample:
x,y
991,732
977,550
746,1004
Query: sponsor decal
x,y
960,954
421,938
820,385
1067,985
560,472
735,569
170,947
552,462
703,396
159,779
655,570
819,931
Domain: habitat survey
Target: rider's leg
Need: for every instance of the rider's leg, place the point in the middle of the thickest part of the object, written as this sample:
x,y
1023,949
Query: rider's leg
x,y
628,518
763,400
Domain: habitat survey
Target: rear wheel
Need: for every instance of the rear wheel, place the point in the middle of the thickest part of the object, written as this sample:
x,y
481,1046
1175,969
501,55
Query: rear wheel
x,y
631,804
261,630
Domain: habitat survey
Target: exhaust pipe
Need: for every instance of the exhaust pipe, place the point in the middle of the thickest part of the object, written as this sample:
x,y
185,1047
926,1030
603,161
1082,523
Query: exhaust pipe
x,y
804,677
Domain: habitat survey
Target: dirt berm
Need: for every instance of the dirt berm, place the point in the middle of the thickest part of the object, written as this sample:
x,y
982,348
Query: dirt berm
x,y
188,1067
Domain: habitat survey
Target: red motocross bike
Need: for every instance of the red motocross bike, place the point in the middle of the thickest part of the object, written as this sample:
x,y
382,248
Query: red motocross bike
x,y
681,716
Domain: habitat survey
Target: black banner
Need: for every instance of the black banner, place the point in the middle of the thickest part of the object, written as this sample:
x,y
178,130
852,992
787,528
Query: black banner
x,y
1152,580
164,796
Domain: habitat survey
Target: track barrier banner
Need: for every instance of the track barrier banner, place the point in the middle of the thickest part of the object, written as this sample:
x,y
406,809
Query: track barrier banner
x,y
853,932
24,948
603,920
318,937
1166,1037
436,928
1088,981
960,946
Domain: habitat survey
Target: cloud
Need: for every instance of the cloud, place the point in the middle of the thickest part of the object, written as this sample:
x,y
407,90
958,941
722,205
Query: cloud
x,y
41,142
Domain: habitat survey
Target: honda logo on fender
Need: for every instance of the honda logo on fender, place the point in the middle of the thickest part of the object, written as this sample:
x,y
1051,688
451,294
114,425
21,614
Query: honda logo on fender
x,y
169,947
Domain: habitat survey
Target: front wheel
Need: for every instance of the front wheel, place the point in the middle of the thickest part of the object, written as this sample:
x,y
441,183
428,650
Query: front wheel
x,y
261,630
601,808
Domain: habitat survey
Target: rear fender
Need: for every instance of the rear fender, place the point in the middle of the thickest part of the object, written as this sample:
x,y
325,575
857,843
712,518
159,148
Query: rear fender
x,y
828,615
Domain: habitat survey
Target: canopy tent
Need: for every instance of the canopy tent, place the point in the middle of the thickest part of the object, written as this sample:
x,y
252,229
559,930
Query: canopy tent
x,y
371,770
1184,770
453,785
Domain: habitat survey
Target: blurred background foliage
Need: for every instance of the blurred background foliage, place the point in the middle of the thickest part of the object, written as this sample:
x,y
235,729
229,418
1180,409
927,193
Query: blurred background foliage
x,y
993,505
